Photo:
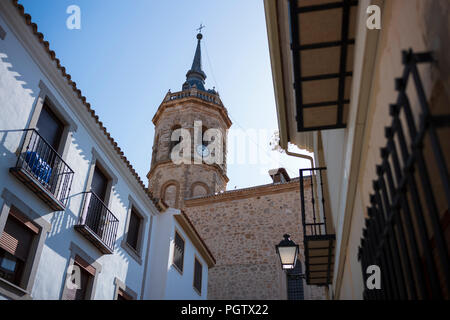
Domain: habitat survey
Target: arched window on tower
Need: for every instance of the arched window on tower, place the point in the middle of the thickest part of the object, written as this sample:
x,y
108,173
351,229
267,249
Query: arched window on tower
x,y
204,142
170,194
295,283
172,144
155,149
203,151
199,189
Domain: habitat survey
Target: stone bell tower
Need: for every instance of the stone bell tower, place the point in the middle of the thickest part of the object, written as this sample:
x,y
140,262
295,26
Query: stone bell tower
x,y
193,110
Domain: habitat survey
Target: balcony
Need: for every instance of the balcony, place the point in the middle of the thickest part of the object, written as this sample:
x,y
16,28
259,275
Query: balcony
x,y
318,242
98,224
203,95
43,170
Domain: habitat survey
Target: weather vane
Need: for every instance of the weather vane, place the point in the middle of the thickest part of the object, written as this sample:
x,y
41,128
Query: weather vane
x,y
201,27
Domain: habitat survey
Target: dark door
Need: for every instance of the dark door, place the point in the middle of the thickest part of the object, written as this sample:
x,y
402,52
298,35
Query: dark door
x,y
99,184
98,212
50,127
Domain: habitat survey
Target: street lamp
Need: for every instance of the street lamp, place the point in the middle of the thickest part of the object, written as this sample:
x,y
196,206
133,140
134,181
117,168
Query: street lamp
x,y
287,250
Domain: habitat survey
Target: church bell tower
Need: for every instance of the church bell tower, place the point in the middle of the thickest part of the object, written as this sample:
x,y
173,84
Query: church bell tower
x,y
199,114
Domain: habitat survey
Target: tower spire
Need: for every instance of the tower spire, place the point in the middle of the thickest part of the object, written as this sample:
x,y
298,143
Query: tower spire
x,y
196,76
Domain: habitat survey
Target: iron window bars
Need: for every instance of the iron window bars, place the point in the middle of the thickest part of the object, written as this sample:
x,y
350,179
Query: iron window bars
x,y
403,233
98,223
42,169
318,242
296,13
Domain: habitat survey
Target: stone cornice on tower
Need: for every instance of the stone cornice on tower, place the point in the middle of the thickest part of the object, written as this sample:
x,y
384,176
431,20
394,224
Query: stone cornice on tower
x,y
201,98
213,166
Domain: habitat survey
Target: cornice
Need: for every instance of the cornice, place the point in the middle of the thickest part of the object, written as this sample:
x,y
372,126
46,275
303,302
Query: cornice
x,y
170,163
251,192
173,103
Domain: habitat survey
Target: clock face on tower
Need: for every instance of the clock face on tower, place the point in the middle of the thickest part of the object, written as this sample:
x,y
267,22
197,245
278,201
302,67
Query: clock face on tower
x,y
202,150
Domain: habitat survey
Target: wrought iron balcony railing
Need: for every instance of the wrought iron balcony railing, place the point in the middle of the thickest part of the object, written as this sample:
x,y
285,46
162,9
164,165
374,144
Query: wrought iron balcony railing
x,y
406,232
43,170
98,224
318,241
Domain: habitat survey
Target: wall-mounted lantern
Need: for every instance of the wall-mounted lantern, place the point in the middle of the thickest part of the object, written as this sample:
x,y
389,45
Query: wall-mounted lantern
x,y
287,250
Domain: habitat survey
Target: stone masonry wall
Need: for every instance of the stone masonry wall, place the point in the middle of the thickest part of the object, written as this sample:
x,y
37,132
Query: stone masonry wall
x,y
241,228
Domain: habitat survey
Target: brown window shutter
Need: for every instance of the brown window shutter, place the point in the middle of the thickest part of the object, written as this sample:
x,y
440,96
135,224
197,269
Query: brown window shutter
x,y
86,266
178,252
23,219
122,295
78,293
198,276
16,238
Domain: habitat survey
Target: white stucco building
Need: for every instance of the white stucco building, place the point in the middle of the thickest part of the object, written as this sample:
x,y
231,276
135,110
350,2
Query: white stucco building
x,y
71,205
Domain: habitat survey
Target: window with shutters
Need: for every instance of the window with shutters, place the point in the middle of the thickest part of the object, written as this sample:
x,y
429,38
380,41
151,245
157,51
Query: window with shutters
x,y
123,292
122,295
82,279
198,269
15,243
178,252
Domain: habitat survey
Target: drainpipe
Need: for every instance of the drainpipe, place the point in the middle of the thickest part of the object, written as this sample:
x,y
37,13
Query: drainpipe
x,y
298,155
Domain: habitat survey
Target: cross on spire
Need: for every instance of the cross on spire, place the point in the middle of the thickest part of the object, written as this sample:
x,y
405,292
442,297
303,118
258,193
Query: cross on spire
x,y
200,28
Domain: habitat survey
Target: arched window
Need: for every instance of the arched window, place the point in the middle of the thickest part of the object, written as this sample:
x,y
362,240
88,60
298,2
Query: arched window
x,y
295,283
199,189
155,149
174,143
170,194
204,142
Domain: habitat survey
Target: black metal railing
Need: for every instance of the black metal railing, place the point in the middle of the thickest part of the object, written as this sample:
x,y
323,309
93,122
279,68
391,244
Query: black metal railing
x,y
100,221
46,167
318,239
404,232
315,223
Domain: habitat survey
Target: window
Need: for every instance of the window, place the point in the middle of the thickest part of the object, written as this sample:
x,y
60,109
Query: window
x,y
178,252
2,33
170,193
84,267
198,276
15,242
99,183
123,292
50,127
132,241
134,229
295,282
22,236
122,295
86,272
172,142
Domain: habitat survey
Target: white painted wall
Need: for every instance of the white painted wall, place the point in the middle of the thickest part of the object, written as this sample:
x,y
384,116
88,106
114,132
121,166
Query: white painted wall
x,y
164,281
20,74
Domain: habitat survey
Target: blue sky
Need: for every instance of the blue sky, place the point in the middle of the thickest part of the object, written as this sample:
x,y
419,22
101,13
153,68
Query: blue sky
x,y
128,54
